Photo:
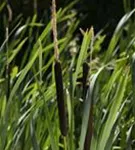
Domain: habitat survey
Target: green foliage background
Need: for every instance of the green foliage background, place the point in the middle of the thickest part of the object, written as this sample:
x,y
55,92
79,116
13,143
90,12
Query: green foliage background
x,y
28,108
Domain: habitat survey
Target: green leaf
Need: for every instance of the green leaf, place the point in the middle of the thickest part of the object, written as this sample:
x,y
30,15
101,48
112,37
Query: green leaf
x,y
88,37
113,113
87,106
117,34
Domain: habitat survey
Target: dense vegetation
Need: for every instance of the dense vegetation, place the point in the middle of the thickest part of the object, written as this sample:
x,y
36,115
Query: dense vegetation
x,y
89,105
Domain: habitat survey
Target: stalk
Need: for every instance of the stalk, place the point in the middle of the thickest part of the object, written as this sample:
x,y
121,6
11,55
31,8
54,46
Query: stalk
x,y
58,76
88,138
85,77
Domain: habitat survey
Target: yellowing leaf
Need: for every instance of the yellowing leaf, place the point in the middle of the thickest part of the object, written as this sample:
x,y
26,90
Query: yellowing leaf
x,y
14,72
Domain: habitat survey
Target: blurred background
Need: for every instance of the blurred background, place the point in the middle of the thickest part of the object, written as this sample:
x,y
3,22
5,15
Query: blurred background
x,y
97,13
101,14
91,12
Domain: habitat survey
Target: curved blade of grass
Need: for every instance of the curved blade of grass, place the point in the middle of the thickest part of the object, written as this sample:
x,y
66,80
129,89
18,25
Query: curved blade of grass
x,y
117,34
49,125
133,79
33,136
82,55
69,7
113,134
24,27
115,76
2,6
6,40
40,60
20,79
16,51
113,114
25,71
87,107
128,140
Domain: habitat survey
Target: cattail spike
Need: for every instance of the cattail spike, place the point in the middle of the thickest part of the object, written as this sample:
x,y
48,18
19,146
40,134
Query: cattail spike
x,y
60,98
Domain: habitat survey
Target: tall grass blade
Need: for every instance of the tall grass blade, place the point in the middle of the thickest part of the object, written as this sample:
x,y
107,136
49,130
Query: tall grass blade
x,y
113,113
87,107
82,54
33,136
133,79
117,34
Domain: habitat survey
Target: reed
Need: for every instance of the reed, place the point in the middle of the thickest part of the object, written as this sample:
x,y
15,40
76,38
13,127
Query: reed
x,y
60,98
29,119
85,78
58,76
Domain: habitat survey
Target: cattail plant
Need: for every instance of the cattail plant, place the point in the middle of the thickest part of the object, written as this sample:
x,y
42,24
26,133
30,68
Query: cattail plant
x,y
58,76
89,133
86,69
85,77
